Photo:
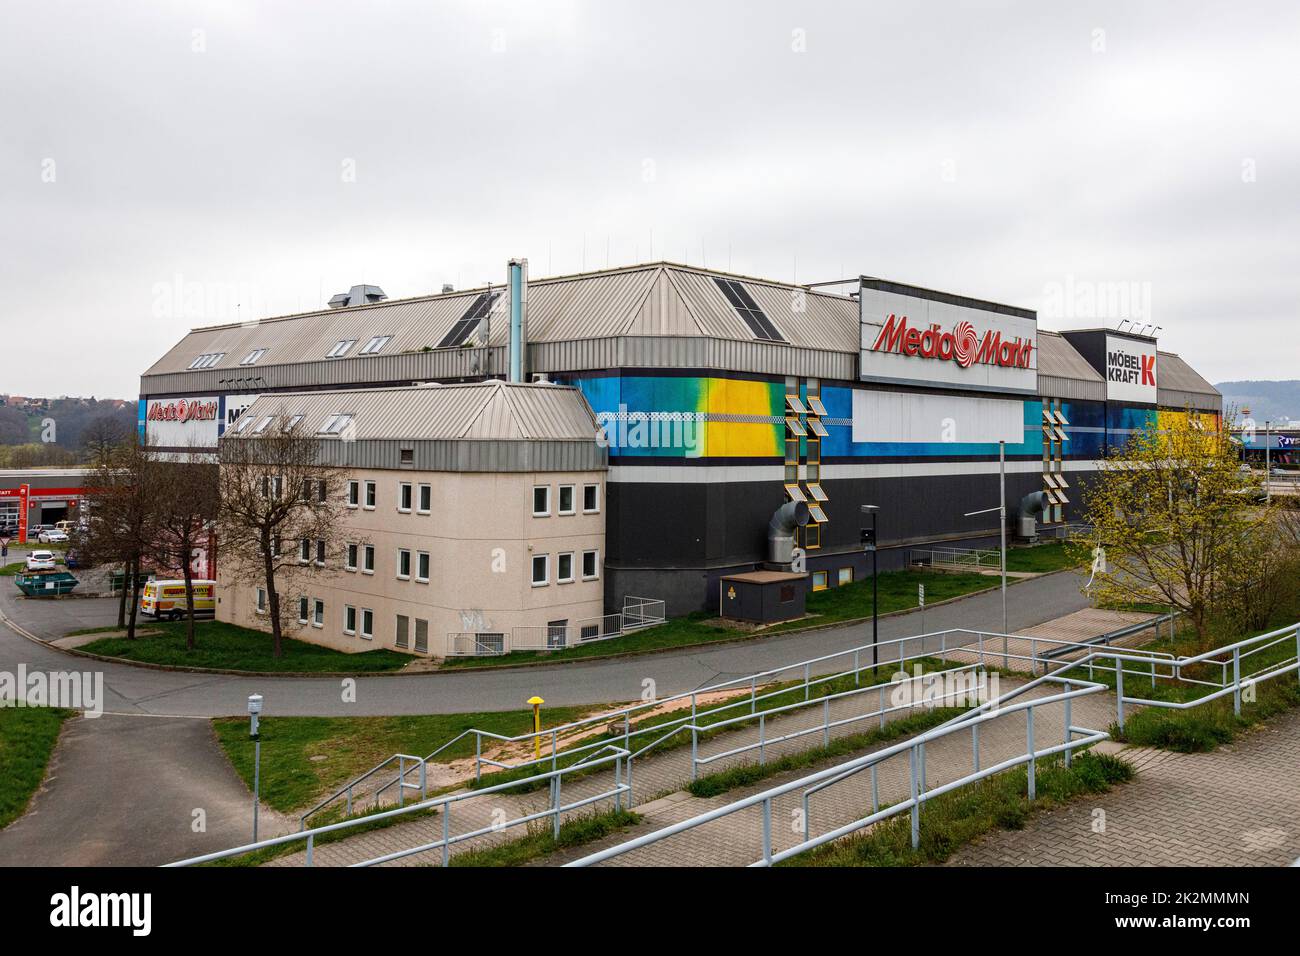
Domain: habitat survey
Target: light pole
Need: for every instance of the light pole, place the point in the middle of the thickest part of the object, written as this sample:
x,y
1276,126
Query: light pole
x,y
1001,509
869,545
1268,463
254,710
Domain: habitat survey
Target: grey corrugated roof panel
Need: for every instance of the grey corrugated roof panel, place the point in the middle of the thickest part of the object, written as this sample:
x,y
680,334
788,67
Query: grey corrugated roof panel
x,y
483,411
1059,359
1173,373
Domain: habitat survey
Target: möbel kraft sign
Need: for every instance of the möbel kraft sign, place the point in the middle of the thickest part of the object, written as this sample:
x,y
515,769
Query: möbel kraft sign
x,y
1130,370
915,337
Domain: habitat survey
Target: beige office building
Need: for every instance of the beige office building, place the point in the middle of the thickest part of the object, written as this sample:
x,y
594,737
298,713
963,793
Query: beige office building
x,y
475,520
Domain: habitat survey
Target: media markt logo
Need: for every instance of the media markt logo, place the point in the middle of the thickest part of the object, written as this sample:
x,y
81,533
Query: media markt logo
x,y
963,344
75,908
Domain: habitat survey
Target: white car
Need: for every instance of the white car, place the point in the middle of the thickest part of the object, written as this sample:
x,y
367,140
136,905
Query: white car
x,y
53,536
40,561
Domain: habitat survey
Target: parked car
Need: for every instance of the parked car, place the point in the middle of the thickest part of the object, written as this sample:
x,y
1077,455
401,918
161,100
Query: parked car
x,y
34,531
52,536
71,559
65,526
40,561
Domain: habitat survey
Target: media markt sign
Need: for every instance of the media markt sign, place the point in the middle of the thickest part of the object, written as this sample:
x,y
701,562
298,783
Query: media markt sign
x,y
1130,370
918,337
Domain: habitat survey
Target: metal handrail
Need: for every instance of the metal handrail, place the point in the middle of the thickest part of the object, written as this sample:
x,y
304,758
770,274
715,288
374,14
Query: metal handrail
x,y
443,803
420,762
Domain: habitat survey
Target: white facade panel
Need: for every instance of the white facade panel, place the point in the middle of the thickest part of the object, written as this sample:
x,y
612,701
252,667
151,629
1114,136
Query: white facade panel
x,y
912,418
182,422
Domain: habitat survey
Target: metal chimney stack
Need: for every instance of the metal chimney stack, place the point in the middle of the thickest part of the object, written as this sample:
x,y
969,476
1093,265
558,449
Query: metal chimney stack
x,y
517,295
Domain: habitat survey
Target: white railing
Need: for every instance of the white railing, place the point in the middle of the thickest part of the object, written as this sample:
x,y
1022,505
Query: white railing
x,y
637,613
953,559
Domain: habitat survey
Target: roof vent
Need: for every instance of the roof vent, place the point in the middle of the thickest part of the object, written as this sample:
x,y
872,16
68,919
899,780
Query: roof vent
x,y
358,295
447,287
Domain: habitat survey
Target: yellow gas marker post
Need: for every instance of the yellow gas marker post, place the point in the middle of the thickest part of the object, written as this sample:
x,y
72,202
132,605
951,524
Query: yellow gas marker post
x,y
537,726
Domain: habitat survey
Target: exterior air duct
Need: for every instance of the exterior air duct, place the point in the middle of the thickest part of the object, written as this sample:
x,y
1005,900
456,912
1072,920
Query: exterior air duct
x,y
1031,506
517,292
781,528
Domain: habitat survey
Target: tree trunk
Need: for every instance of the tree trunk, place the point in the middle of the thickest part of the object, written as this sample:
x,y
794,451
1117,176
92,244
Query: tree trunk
x,y
121,601
135,597
189,592
272,597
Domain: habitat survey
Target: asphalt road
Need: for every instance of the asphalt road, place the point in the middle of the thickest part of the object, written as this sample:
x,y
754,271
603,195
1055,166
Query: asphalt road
x,y
141,691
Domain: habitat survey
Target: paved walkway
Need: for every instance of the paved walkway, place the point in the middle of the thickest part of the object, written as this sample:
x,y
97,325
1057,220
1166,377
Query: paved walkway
x,y
1236,806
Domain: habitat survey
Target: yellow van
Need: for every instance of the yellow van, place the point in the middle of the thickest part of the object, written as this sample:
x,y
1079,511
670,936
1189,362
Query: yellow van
x,y
166,599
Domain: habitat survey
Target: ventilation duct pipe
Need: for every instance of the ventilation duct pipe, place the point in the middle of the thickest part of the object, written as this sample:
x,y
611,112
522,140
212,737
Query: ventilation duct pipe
x,y
1031,506
781,529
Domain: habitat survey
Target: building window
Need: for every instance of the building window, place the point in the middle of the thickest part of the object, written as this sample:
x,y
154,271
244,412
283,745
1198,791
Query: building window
x,y
320,552
304,551
564,568
540,571
590,499
340,348
403,636
426,499
293,422
566,500
422,567
819,580
352,558
335,424
421,636
375,345
322,491
845,577
367,624
318,613
406,456
302,610
261,600
349,619
404,563
371,495
541,501
369,553
405,499
590,566
354,494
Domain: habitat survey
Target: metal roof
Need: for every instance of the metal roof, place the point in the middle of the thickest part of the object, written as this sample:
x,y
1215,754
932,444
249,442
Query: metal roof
x,y
1179,385
480,411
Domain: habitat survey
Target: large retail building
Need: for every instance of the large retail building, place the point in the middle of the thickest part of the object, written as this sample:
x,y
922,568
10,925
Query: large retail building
x,y
718,398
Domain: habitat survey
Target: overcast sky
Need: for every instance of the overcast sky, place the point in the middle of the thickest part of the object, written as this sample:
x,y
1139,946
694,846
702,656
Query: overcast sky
x,y
167,165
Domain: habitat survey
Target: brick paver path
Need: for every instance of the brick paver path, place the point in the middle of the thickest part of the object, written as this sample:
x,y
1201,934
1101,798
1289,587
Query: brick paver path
x,y
1236,806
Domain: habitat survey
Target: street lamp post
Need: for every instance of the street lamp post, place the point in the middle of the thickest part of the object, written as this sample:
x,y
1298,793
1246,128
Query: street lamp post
x,y
869,545
1001,509
254,711
1268,462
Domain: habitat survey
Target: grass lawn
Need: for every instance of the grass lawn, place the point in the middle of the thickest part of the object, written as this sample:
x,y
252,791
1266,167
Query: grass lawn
x,y
27,738
850,602
541,841
292,780
1044,558
953,819
9,570
222,645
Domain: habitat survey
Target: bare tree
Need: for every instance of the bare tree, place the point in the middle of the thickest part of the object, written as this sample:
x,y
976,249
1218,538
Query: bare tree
x,y
185,506
122,525
276,494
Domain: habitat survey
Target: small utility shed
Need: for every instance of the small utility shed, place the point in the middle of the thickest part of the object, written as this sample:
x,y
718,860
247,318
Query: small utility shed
x,y
763,597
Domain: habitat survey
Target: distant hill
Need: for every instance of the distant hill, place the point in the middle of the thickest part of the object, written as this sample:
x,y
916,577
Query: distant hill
x,y
38,432
1267,401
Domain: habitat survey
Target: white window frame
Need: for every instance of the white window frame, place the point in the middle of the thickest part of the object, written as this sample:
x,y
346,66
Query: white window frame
x,y
593,487
547,512
293,422
349,617
559,500
400,553
252,357
352,552
425,558
341,348
354,493
367,624
304,550
368,559
261,606
304,609
372,496
595,563
375,345
317,613
559,563
405,497
546,570
320,552
425,491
